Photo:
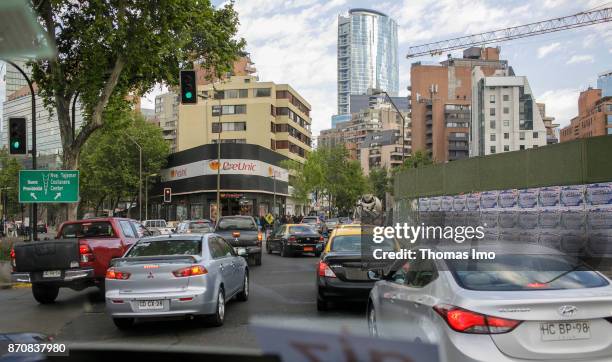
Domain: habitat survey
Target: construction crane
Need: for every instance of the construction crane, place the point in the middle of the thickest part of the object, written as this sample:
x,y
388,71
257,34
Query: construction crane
x,y
578,20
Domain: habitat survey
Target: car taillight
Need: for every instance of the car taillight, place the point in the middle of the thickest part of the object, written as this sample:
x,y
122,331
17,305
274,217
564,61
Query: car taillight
x,y
321,239
190,271
259,236
292,239
325,270
117,274
465,321
236,234
13,258
86,254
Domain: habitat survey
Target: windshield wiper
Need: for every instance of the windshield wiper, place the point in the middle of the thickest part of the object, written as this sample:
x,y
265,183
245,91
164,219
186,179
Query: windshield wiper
x,y
563,274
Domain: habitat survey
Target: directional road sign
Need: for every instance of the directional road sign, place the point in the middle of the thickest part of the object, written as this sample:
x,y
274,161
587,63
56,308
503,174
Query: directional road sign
x,y
49,186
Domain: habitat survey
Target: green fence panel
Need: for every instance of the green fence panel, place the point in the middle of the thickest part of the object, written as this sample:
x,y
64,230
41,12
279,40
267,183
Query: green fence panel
x,y
462,176
598,159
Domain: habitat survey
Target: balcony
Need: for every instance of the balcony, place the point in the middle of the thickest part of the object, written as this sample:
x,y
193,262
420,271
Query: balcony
x,y
458,147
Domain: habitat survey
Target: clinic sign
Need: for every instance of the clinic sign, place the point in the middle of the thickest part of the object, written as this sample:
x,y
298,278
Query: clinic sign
x,y
48,186
225,167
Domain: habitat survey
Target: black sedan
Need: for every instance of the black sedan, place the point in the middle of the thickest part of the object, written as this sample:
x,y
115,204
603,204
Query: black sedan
x,y
291,239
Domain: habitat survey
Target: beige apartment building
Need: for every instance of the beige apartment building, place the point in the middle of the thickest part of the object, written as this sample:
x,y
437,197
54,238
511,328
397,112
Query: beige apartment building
x,y
241,109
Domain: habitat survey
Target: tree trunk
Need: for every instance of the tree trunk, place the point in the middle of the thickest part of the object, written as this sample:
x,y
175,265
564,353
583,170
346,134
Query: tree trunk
x,y
71,162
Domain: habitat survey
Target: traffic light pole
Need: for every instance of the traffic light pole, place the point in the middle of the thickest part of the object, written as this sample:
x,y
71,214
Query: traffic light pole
x,y
34,207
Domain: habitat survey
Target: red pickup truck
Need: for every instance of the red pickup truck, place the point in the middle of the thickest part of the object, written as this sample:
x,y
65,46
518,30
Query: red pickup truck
x,y
76,259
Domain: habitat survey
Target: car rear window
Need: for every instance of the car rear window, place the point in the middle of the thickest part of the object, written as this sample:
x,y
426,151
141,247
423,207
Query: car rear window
x,y
517,272
166,247
236,223
88,229
200,226
301,230
310,220
353,243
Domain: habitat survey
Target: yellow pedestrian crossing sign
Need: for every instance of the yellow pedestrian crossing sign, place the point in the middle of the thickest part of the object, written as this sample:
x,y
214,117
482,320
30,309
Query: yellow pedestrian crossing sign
x,y
269,218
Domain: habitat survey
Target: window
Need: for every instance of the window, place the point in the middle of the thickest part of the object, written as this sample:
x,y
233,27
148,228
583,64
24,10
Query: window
x,y
415,274
236,93
535,134
506,110
492,149
506,148
166,247
506,123
492,137
492,111
521,147
216,247
262,92
506,97
522,136
231,140
506,136
228,126
96,229
234,109
127,229
492,124
492,99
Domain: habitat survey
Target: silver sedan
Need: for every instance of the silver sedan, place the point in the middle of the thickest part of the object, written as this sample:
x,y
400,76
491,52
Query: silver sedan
x,y
529,303
175,275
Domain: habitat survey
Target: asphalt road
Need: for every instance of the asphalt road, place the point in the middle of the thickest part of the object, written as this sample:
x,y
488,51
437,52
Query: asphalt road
x,y
282,292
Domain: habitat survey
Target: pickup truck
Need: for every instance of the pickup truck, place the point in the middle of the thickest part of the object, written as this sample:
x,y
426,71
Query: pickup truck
x,y
76,259
242,233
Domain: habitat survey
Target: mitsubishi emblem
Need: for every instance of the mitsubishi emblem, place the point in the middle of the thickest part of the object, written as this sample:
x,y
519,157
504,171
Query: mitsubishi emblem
x,y
150,276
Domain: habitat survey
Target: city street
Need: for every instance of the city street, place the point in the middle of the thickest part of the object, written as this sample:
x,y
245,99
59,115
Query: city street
x,y
281,288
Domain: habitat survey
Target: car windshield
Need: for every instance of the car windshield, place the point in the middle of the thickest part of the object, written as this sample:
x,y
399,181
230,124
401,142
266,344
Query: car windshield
x,y
200,226
332,221
236,223
96,229
301,230
166,247
310,220
353,243
513,272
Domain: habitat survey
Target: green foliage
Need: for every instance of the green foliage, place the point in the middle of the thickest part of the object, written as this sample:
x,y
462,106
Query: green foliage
x,y
110,49
328,172
110,159
415,160
379,183
9,181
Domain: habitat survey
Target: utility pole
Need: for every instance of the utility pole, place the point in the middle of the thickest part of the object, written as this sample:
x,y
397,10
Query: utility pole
x,y
147,195
274,202
34,206
139,176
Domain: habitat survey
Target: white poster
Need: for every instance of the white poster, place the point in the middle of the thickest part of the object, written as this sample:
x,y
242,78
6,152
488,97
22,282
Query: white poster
x,y
228,167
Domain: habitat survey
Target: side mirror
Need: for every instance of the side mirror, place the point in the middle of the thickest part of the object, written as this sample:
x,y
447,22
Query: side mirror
x,y
374,275
241,252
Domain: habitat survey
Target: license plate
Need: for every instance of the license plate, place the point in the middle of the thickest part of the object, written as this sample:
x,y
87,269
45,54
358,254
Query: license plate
x,y
356,274
565,331
150,304
308,248
52,274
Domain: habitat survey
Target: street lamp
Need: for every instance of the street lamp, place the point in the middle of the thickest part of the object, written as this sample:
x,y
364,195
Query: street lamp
x,y
139,175
374,92
219,208
147,195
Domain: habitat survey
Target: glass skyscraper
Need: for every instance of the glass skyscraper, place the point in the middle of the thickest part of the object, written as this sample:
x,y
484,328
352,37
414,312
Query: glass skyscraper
x,y
367,55
604,82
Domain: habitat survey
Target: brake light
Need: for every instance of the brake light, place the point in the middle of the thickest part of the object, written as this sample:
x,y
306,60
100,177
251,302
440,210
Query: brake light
x,y
259,238
325,270
190,271
86,254
537,285
292,239
117,274
465,321
236,234
321,239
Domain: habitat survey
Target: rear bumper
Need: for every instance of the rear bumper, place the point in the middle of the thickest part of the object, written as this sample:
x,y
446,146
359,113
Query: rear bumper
x,y
249,249
67,276
299,248
121,305
336,289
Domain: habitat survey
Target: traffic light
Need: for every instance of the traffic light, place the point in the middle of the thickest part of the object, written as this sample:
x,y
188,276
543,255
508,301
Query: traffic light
x,y
188,87
167,194
17,136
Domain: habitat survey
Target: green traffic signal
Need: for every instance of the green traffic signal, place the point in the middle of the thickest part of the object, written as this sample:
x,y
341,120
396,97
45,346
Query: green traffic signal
x,y
188,95
16,144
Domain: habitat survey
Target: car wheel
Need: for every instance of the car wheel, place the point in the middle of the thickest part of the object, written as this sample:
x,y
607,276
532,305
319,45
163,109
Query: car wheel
x,y
123,323
372,327
218,318
258,259
45,294
322,304
243,296
285,251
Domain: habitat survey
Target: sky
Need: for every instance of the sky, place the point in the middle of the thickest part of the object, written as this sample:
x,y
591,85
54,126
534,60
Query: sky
x,y
294,42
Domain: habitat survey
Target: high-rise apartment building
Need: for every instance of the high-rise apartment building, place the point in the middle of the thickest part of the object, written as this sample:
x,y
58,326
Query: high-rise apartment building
x,y
166,113
505,116
441,97
241,109
552,129
594,117
604,82
367,55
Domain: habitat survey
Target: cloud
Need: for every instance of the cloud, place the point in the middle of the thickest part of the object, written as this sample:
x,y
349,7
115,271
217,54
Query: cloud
x,y
561,104
577,59
547,49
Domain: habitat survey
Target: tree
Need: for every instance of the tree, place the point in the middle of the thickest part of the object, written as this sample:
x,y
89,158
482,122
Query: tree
x,y
9,181
109,49
417,159
379,183
110,160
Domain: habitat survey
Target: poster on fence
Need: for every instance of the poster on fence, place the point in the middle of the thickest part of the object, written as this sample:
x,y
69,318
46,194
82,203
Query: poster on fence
x,y
488,199
424,204
599,195
459,203
572,196
447,204
435,203
508,199
528,198
548,197
472,201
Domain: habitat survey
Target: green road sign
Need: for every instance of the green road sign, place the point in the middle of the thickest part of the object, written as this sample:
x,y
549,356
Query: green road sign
x,y
50,186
